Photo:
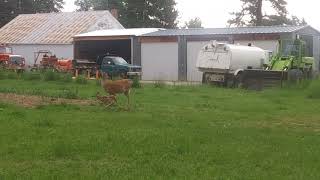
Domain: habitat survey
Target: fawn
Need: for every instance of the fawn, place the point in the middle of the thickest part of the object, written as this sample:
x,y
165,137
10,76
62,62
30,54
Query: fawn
x,y
118,87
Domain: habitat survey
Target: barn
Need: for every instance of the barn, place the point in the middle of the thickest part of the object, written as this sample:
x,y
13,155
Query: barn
x,y
171,55
119,42
30,33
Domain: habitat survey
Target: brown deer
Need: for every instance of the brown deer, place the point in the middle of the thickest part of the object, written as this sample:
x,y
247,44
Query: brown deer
x,y
118,87
106,100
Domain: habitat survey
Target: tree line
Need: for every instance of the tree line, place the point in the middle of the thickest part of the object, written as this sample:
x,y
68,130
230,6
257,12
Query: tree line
x,y
154,13
9,9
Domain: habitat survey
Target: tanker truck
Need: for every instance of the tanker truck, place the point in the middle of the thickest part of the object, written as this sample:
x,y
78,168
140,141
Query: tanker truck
x,y
221,63
249,67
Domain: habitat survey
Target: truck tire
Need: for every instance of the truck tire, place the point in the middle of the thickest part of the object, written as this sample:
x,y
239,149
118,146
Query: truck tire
x,y
205,79
308,74
238,81
295,75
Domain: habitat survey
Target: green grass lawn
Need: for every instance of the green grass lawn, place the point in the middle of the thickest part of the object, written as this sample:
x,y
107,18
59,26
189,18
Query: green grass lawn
x,y
169,133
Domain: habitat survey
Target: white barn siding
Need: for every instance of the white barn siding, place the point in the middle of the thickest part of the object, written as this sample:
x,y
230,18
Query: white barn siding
x,y
270,45
26,50
193,49
159,61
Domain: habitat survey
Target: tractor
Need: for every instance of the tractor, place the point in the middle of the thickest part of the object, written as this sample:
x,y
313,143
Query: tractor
x,y
290,63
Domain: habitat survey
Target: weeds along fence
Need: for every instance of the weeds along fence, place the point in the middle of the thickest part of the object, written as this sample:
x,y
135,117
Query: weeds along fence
x,y
66,93
42,76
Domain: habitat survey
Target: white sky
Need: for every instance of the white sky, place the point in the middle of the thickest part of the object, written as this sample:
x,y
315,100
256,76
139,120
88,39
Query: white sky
x,y
215,13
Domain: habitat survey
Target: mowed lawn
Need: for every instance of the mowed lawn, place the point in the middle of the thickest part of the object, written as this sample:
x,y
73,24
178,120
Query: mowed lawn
x,y
169,133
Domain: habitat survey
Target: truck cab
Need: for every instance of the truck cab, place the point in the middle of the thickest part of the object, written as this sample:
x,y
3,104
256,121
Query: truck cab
x,y
10,61
114,66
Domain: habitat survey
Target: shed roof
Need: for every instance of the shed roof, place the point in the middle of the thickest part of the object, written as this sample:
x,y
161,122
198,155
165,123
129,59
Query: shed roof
x,y
230,31
119,32
55,28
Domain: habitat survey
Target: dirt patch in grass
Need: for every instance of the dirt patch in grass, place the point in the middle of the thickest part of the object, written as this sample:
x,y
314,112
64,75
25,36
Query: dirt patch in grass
x,y
300,122
35,101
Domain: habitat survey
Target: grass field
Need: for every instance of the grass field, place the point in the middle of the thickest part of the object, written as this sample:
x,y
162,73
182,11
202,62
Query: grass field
x,y
169,133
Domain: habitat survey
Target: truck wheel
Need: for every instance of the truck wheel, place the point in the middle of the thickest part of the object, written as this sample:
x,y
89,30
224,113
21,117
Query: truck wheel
x,y
238,81
295,75
308,74
205,79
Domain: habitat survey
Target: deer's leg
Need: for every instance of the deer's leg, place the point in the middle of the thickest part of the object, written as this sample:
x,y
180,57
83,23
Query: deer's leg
x,y
127,93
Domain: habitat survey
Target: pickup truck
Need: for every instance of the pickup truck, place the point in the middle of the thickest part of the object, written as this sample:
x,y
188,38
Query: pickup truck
x,y
108,67
114,66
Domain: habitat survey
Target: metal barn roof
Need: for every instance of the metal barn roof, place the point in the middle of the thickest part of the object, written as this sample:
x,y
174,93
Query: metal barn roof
x,y
119,32
229,31
55,28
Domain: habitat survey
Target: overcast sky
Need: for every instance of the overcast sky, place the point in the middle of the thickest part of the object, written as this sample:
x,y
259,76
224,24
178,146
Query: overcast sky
x,y
214,14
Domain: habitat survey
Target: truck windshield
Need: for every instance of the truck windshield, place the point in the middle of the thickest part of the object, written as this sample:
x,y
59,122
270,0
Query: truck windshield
x,y
290,48
119,60
16,60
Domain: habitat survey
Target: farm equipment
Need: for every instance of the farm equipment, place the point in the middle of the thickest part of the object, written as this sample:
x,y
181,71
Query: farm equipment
x,y
9,61
48,60
82,66
220,62
51,62
290,63
249,67
105,65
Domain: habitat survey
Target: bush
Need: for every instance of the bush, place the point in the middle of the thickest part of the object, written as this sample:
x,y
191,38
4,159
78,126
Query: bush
x,y
51,76
313,91
66,77
159,84
98,82
81,80
12,75
69,94
2,75
31,76
136,83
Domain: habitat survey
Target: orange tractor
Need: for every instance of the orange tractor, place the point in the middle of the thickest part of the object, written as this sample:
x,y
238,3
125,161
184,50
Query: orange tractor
x,y
51,62
9,61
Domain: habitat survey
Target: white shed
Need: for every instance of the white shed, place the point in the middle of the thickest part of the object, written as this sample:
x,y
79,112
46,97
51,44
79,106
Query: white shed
x,y
172,54
29,33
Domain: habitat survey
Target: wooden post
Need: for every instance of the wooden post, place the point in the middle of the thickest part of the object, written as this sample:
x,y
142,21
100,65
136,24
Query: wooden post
x,y
97,74
77,73
88,74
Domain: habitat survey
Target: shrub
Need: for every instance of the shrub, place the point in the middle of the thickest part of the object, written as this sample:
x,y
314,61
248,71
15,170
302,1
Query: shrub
x,y
69,94
81,80
159,84
12,75
66,77
2,75
98,82
51,76
136,83
31,76
313,90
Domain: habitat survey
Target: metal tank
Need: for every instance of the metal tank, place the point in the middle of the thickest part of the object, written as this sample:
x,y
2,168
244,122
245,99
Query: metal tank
x,y
221,62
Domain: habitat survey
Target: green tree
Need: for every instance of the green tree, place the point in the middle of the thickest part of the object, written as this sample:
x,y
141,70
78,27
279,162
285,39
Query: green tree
x,y
9,9
251,14
193,23
137,13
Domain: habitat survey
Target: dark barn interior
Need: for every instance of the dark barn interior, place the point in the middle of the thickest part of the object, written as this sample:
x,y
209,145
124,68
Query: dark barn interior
x,y
91,49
